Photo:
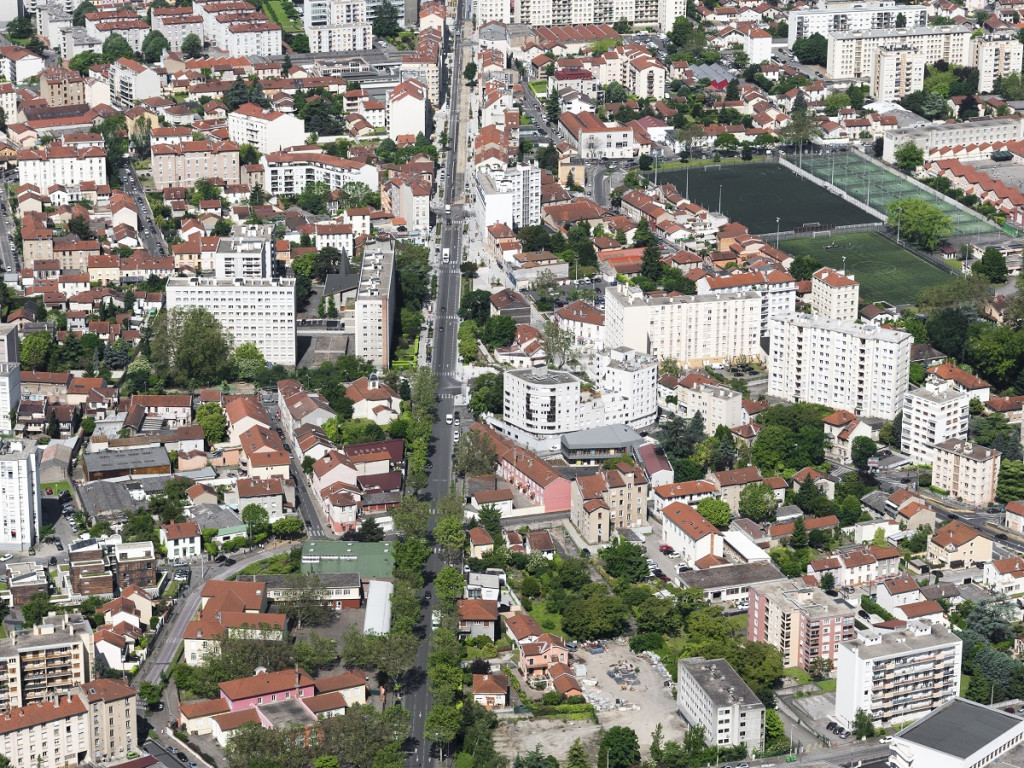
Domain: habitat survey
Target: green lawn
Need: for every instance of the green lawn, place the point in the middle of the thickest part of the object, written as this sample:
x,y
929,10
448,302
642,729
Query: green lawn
x,y
828,685
801,676
551,622
885,271
539,86
275,9
56,489
965,681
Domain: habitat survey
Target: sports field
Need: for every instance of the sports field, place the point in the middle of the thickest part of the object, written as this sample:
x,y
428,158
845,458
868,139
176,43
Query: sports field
x,y
754,194
877,186
885,271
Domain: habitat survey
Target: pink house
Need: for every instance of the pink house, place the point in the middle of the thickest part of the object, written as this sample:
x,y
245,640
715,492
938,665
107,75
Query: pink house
x,y
531,475
265,687
535,658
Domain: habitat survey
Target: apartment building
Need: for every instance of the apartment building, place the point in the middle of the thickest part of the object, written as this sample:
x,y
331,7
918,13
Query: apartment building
x,y
710,694
609,501
135,564
44,661
628,382
260,310
57,164
966,471
131,82
492,10
835,295
10,395
693,330
982,130
407,196
509,196
267,130
859,368
20,505
801,621
287,173
931,415
897,676
375,303
407,110
182,165
540,405
337,25
18,64
995,55
424,64
777,290
899,70
854,54
249,252
844,18
689,533
61,87
176,24
92,723
718,405
594,139
536,13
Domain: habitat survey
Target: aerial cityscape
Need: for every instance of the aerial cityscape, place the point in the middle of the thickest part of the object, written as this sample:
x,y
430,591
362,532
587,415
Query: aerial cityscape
x,y
529,384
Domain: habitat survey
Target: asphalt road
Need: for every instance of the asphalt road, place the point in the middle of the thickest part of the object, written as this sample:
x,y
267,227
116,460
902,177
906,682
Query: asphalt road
x,y
162,653
152,238
444,363
7,255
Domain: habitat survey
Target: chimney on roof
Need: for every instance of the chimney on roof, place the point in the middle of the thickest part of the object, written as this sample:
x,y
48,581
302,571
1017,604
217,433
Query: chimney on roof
x,y
297,676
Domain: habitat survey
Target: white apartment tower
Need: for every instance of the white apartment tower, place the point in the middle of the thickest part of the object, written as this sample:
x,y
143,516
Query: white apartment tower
x,y
338,25
509,196
899,70
375,303
20,510
834,295
256,309
248,253
9,343
859,368
996,55
931,415
629,384
853,55
710,693
694,330
897,676
966,471
10,396
841,17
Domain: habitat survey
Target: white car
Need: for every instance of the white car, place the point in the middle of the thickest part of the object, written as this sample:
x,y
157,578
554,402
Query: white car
x,y
447,418
5,558
885,740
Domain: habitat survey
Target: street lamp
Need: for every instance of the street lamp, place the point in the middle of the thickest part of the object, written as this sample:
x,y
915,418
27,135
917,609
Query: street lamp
x,y
777,219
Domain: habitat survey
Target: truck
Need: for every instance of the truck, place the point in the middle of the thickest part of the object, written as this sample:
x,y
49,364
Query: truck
x,y
446,256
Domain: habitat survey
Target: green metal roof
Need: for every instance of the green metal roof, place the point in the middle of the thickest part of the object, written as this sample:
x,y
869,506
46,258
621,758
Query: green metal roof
x,y
370,559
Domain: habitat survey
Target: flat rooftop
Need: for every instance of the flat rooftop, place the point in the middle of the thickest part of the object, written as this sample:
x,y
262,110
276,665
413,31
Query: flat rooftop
x,y
960,728
719,681
872,644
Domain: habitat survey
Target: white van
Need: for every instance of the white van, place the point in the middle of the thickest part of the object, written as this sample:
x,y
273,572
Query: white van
x,y
446,256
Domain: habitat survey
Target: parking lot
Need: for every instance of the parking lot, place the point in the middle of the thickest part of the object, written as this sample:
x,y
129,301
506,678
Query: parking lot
x,y
625,689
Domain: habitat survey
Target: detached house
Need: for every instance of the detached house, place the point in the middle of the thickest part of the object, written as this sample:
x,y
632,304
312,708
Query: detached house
x,y
535,658
956,545
183,541
490,691
1005,576
478,618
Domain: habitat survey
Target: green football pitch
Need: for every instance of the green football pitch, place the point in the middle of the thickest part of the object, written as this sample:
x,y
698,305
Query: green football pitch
x,y
885,271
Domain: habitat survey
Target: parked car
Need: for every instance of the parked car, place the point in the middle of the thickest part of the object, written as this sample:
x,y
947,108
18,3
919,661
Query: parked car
x,y
666,549
885,740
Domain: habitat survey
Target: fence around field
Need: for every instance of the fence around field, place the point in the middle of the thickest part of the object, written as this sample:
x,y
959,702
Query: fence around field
x,y
875,186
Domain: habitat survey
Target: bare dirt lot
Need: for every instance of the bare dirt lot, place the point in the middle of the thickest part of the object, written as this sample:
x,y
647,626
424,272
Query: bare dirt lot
x,y
644,701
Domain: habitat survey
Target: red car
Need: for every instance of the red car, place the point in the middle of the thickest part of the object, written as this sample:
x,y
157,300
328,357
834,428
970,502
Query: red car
x,y
665,549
